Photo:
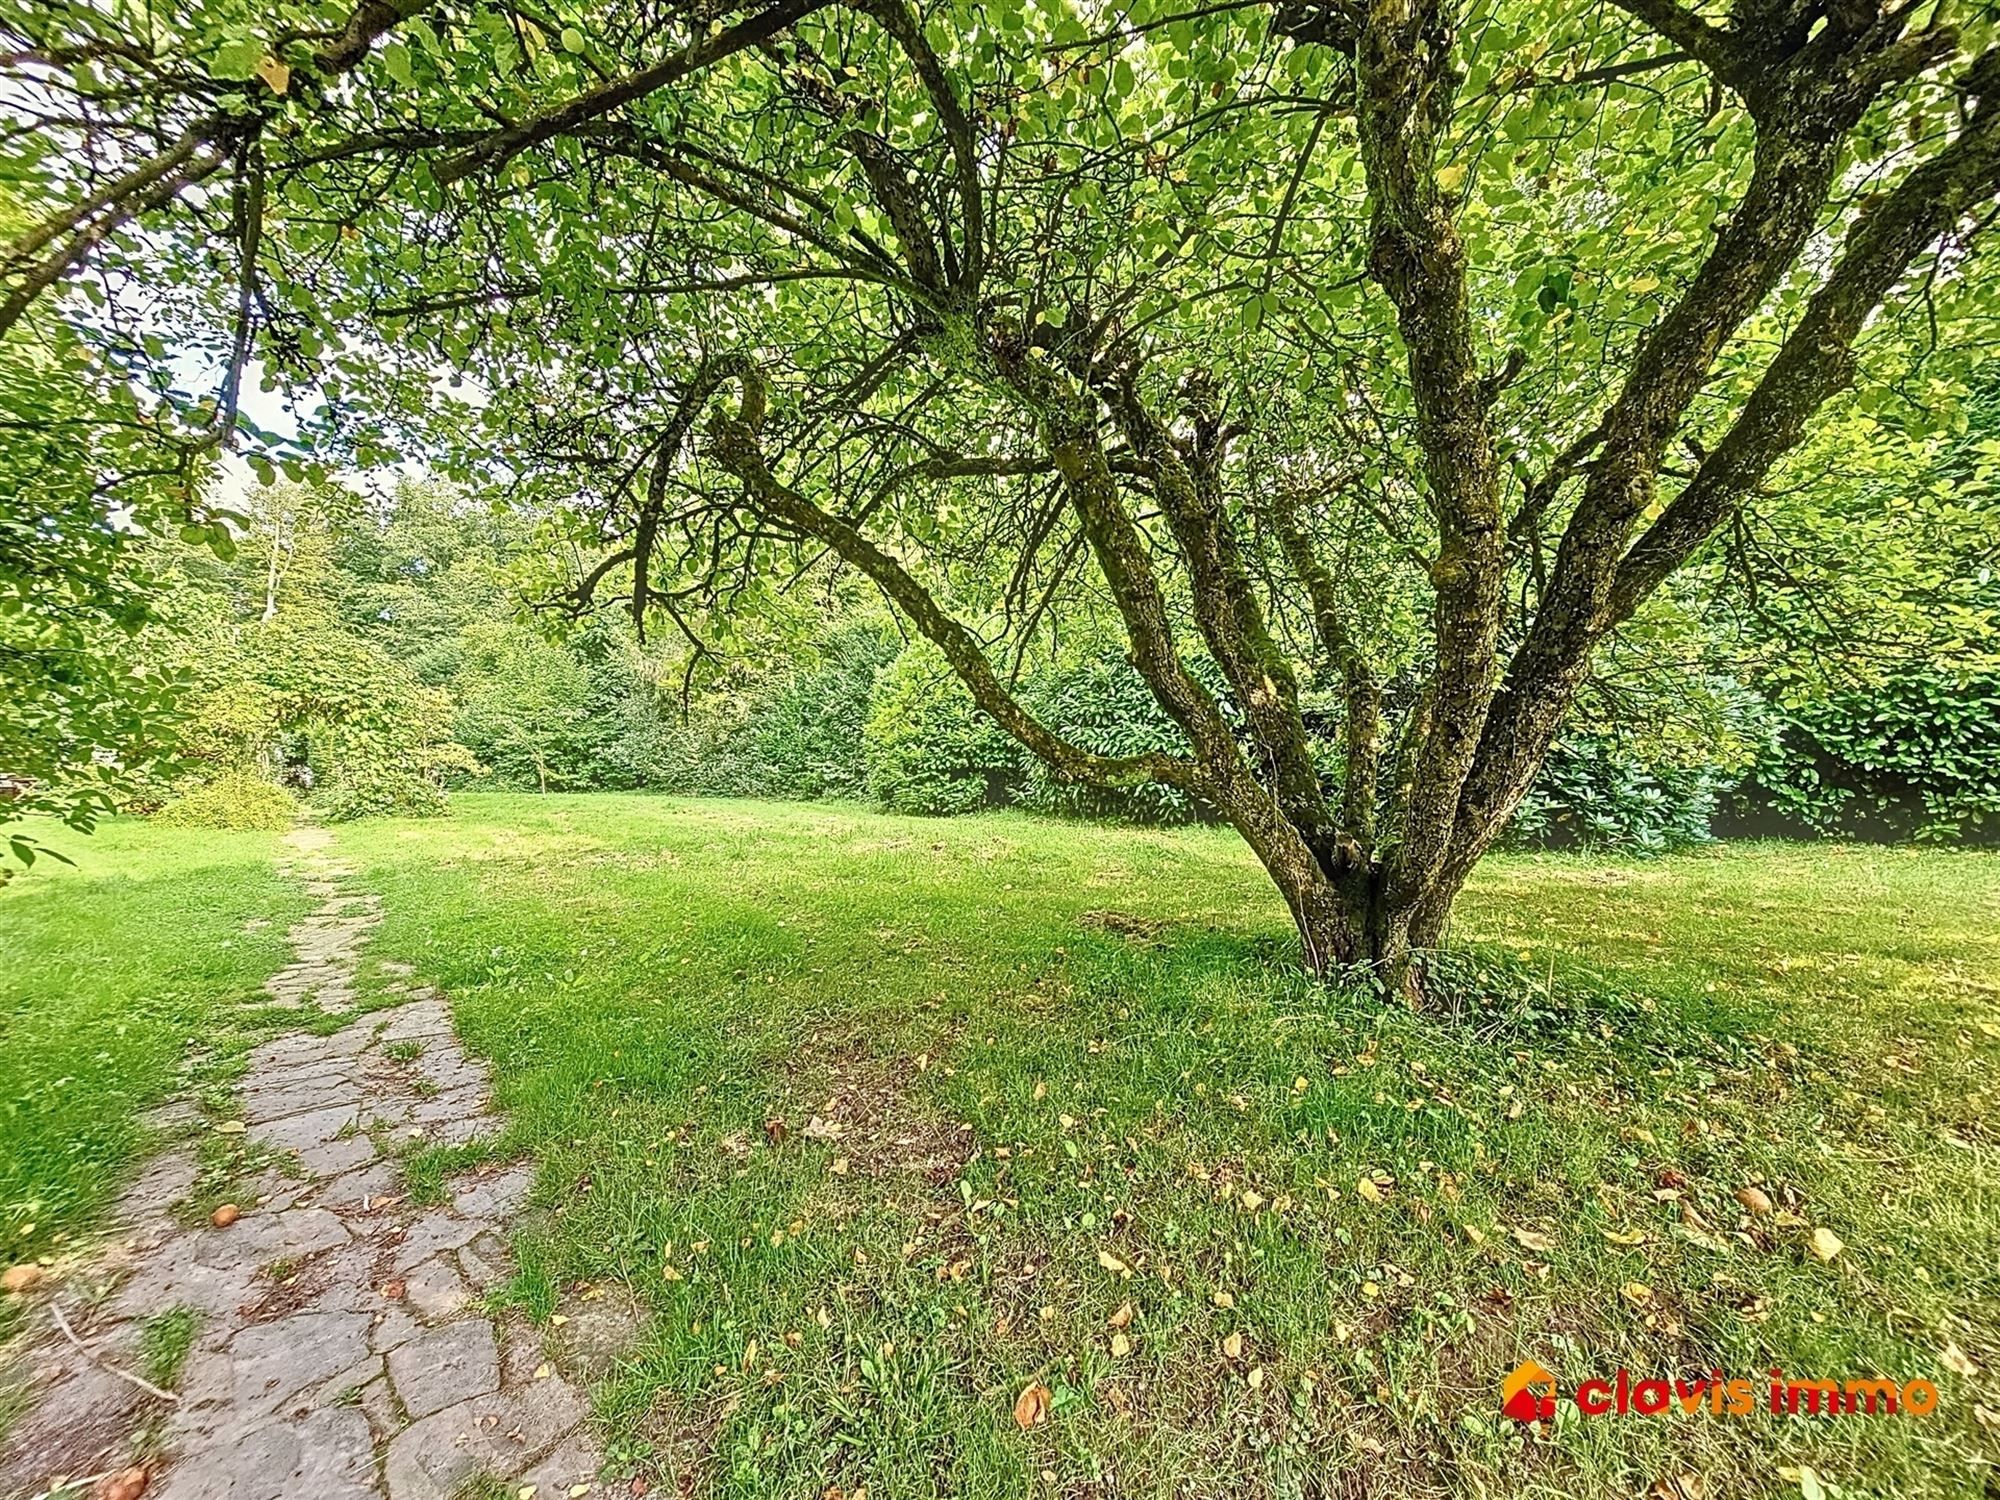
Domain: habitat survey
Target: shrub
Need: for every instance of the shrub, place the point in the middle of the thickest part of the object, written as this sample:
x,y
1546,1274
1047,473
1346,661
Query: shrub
x,y
1917,757
380,794
809,731
1595,792
930,748
1102,704
236,799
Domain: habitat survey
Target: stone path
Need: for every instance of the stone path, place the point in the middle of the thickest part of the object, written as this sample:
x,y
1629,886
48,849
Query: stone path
x,y
339,1352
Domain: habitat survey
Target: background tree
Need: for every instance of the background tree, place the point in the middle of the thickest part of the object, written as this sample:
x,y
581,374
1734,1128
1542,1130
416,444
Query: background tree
x,y
1404,352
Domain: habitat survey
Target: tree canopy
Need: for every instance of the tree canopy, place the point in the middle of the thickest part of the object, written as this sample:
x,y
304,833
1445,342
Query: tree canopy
x,y
1378,361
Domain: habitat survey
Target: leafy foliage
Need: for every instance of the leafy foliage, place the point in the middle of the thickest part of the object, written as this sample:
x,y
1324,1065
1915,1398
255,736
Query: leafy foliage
x,y
237,799
931,749
1914,757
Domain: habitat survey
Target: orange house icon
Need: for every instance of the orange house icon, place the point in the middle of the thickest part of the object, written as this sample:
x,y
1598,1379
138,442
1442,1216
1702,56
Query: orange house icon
x,y
1529,1393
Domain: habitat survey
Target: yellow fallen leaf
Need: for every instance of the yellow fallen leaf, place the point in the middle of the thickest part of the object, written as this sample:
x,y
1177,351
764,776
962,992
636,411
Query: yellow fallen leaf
x,y
1367,1189
274,73
1637,1293
1625,1236
1232,1347
543,1372
1252,1199
1120,1346
1113,1264
1123,1317
1530,1239
1957,1361
1825,1244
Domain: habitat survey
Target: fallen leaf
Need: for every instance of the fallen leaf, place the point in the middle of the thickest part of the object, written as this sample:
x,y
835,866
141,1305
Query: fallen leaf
x,y
1625,1236
1637,1293
1252,1199
1120,1346
230,1127
1958,1361
1232,1347
1530,1239
1756,1202
1367,1189
1031,1407
1825,1244
126,1484
1113,1264
1123,1317
393,1290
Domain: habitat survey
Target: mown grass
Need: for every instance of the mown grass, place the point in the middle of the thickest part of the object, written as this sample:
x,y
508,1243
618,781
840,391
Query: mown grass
x,y
128,978
883,1121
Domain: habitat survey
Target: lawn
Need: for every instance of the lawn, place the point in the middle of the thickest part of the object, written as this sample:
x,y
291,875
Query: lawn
x,y
128,979
879,1123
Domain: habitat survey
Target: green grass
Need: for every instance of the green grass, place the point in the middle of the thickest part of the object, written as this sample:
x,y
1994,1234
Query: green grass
x,y
1032,1113
1019,1074
164,1343
125,980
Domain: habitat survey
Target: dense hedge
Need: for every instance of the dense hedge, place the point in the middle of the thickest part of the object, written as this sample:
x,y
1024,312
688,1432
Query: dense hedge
x,y
1914,757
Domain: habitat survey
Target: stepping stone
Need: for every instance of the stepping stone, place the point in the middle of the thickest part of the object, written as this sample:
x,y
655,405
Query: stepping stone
x,y
497,1195
439,1229
446,1367
329,1455
487,1261
268,1364
316,1128
603,1325
501,1434
574,1463
435,1290
257,1239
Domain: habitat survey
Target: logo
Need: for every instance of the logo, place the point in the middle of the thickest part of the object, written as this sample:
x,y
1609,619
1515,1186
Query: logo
x,y
1530,1394
1518,1393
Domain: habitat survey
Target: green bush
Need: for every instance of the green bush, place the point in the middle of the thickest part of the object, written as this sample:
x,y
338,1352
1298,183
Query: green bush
x,y
380,794
235,799
930,748
1916,757
1102,704
1596,792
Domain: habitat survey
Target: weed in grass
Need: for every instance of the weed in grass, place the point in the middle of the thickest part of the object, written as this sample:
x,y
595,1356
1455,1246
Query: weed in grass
x,y
405,1051
164,1342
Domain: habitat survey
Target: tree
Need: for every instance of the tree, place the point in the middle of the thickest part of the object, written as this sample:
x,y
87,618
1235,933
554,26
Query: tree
x,y
1403,350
